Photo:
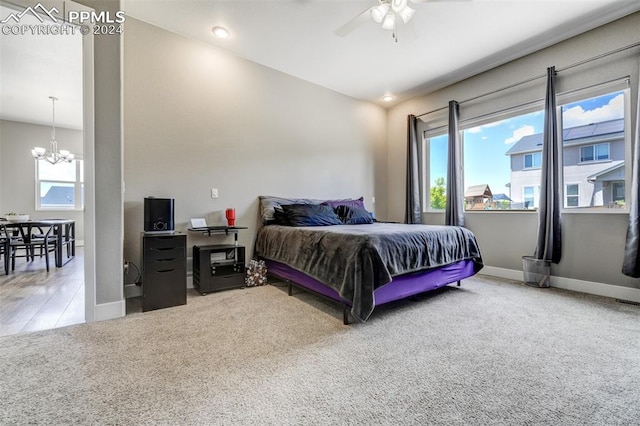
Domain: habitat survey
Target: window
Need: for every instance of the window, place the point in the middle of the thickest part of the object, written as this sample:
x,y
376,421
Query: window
x,y
59,186
437,171
499,162
594,151
533,161
598,152
502,153
572,195
618,192
530,197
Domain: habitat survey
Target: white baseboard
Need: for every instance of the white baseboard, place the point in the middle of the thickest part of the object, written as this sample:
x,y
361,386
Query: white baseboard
x,y
112,310
590,287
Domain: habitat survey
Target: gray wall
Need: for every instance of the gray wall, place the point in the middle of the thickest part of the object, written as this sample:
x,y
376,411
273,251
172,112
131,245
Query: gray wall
x,y
593,243
108,161
197,118
17,168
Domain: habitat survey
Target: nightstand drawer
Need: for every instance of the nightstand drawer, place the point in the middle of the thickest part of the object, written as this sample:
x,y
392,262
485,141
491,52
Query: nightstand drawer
x,y
165,265
165,254
165,241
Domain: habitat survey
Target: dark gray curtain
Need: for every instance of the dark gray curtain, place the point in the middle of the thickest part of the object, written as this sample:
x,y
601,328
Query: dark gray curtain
x,y
454,210
549,245
413,208
631,264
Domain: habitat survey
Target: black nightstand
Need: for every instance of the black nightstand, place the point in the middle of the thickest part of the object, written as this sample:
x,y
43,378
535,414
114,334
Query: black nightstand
x,y
164,270
218,267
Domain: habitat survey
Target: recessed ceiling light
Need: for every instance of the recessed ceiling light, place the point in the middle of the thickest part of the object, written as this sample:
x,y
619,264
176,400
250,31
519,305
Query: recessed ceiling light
x,y
221,32
387,98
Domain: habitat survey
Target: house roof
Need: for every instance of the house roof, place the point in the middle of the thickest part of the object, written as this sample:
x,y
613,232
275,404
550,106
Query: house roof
x,y
59,195
571,136
607,170
478,191
501,197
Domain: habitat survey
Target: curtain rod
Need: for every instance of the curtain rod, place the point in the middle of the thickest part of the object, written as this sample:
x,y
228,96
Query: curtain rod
x,y
626,79
595,58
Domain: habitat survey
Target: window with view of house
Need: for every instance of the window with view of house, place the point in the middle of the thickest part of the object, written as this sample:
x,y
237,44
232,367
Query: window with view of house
x,y
488,172
59,186
503,158
594,152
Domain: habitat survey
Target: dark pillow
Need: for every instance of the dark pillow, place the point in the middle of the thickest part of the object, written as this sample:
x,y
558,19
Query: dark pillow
x,y
349,202
350,215
280,217
310,215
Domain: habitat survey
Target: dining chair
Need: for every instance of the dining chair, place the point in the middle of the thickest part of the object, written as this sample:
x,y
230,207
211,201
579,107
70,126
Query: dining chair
x,y
3,251
28,237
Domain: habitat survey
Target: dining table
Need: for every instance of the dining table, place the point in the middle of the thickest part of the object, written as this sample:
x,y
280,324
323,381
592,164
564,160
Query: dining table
x,y
63,230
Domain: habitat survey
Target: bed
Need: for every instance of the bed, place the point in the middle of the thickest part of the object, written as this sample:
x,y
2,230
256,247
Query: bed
x,y
360,263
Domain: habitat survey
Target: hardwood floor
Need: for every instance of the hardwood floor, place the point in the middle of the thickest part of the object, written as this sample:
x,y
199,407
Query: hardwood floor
x,y
32,299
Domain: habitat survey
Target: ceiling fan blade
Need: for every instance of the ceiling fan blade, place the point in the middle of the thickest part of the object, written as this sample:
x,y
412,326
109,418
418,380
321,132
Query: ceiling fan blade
x,y
354,23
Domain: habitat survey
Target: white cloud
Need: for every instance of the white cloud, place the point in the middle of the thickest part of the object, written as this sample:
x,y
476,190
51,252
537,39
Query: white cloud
x,y
480,128
519,133
577,116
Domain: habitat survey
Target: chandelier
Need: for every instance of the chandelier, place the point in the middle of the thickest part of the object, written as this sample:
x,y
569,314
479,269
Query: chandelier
x,y
387,12
53,156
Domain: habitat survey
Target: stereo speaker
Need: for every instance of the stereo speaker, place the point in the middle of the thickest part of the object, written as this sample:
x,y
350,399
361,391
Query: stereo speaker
x,y
158,214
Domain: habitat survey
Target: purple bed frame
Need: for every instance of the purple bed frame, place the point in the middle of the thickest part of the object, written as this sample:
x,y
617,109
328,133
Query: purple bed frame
x,y
401,287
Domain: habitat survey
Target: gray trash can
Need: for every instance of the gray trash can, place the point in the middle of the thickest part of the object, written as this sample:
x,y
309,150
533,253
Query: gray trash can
x,y
536,271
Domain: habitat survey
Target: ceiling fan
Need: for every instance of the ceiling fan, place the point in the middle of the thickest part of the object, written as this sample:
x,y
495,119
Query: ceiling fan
x,y
387,13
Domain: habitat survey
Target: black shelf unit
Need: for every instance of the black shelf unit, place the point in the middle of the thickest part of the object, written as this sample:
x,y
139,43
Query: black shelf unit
x,y
164,270
218,267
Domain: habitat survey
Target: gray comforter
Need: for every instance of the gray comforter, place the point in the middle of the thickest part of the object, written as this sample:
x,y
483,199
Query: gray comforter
x,y
357,259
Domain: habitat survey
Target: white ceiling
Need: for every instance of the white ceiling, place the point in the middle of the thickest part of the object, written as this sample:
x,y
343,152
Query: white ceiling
x,y
34,67
445,42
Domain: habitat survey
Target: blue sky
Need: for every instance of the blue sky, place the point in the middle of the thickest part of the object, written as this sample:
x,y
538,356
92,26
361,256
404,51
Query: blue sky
x,y
485,146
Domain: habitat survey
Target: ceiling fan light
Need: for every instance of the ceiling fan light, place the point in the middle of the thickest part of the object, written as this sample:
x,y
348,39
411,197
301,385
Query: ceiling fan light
x,y
379,12
406,14
398,5
389,22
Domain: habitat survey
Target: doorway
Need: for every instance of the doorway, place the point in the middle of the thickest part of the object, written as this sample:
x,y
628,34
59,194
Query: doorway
x,y
35,66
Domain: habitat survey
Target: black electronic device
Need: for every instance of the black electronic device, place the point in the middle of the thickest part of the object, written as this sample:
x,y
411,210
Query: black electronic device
x,y
158,214
218,267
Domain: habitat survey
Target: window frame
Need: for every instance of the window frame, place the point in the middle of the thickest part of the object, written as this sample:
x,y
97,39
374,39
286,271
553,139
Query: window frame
x,y
78,186
594,150
533,161
622,84
585,94
427,136
567,195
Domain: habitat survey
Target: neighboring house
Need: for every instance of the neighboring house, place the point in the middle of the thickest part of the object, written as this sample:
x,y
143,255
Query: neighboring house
x,y
593,164
58,196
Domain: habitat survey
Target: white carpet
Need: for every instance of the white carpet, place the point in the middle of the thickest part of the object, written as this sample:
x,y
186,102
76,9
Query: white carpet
x,y
489,352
